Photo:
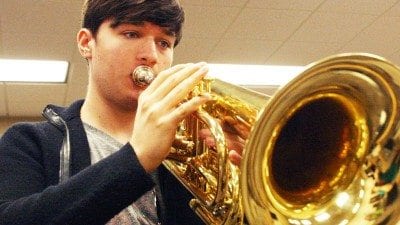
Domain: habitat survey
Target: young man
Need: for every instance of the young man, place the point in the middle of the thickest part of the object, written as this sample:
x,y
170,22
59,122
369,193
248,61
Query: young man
x,y
98,161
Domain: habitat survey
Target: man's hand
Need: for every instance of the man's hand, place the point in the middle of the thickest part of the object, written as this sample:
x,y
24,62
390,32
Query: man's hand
x,y
160,109
235,142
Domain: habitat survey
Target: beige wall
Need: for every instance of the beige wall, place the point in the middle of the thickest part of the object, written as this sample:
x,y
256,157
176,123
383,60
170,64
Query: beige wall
x,y
6,122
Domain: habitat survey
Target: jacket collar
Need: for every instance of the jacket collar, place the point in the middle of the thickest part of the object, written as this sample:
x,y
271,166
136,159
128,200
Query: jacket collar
x,y
68,119
67,114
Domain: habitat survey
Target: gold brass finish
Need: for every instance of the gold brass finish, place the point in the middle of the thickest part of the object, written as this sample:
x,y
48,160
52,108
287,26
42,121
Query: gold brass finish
x,y
324,149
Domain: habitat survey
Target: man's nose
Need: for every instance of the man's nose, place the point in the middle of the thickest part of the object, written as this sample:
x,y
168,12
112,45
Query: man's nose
x,y
148,51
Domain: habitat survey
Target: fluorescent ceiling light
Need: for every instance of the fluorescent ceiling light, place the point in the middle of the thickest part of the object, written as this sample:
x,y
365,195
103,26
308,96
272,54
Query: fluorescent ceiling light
x,y
16,70
254,74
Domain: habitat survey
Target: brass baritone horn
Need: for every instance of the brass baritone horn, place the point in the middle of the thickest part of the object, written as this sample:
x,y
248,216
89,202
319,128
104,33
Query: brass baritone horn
x,y
324,149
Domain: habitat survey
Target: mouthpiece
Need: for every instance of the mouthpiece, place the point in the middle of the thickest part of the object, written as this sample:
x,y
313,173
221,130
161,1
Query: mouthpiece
x,y
142,76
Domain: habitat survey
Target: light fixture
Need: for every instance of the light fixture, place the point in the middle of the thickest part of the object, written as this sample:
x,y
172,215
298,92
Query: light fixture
x,y
47,71
254,74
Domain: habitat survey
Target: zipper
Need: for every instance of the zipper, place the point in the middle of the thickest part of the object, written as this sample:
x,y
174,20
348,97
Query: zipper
x,y
65,150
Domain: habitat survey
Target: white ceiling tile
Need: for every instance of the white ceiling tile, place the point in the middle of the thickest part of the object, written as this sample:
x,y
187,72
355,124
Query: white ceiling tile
x,y
3,105
289,53
237,3
30,99
46,16
47,28
1,36
394,58
394,11
194,50
266,24
372,39
247,52
332,27
372,7
208,22
43,46
287,4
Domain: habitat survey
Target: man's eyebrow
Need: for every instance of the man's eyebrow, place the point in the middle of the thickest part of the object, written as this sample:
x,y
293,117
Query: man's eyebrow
x,y
123,23
165,30
168,32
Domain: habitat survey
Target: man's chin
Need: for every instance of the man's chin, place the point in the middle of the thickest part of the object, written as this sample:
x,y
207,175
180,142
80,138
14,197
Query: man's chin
x,y
128,104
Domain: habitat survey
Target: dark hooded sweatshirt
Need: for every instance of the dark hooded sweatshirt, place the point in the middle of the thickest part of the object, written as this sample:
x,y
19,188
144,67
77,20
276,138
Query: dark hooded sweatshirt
x,y
30,187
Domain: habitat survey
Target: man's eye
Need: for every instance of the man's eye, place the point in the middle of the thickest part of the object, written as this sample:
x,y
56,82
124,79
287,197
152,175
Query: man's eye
x,y
165,44
131,34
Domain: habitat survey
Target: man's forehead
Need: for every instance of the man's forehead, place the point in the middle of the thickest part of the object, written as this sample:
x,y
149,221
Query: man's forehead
x,y
165,30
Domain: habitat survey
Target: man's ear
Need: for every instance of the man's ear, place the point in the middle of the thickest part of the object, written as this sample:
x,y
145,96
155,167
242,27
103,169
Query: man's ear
x,y
84,39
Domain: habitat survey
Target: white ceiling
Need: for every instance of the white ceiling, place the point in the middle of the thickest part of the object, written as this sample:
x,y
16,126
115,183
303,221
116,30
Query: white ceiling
x,y
284,32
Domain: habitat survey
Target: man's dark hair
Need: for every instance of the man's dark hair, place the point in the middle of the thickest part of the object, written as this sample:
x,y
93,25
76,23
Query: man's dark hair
x,y
167,14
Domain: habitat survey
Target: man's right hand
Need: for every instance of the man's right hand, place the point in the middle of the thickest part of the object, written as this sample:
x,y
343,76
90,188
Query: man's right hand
x,y
160,109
